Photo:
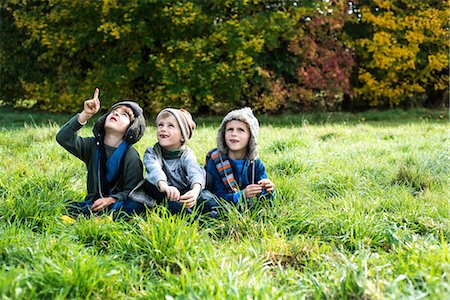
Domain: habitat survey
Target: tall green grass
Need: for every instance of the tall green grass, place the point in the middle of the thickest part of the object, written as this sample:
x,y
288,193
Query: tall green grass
x,y
361,212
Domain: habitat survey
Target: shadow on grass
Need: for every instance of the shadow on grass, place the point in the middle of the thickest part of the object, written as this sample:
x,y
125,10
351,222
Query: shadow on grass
x,y
16,118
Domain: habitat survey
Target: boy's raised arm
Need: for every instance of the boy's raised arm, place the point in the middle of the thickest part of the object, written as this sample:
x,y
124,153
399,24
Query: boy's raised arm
x,y
90,107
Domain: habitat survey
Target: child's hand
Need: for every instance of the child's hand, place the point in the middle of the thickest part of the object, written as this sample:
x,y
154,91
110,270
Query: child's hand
x,y
91,106
190,198
267,184
252,190
172,193
102,203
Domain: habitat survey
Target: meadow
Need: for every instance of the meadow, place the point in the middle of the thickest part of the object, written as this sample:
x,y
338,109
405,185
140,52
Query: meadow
x,y
361,212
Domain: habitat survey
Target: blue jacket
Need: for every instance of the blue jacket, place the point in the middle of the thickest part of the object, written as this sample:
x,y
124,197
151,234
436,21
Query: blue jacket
x,y
251,173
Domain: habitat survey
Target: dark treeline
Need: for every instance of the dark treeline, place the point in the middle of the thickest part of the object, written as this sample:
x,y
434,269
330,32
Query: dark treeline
x,y
211,56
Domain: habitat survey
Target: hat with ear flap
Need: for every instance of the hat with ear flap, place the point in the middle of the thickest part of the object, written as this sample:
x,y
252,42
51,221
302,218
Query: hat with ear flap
x,y
136,129
244,115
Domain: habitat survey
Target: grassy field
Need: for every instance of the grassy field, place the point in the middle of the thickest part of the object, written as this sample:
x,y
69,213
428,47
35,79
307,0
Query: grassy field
x,y
361,212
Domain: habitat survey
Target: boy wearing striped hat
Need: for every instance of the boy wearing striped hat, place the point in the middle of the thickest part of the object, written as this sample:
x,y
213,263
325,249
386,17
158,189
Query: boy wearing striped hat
x,y
172,170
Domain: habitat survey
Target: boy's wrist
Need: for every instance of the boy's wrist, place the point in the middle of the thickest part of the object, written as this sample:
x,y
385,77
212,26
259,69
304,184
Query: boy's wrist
x,y
162,185
112,200
197,187
83,117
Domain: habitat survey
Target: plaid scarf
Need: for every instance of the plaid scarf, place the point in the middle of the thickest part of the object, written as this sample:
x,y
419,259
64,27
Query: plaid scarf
x,y
223,166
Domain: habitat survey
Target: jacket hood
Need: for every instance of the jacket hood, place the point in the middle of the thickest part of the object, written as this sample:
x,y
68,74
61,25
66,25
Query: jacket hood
x,y
244,115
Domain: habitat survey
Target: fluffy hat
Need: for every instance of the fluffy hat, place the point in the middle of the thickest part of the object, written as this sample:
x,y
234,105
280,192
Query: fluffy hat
x,y
244,115
137,126
184,119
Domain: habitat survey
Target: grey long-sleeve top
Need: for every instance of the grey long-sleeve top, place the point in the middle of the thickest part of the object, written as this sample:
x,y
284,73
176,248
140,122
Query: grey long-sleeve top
x,y
181,173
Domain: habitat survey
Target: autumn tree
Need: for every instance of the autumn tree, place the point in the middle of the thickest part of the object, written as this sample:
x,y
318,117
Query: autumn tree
x,y
212,56
320,62
403,56
202,55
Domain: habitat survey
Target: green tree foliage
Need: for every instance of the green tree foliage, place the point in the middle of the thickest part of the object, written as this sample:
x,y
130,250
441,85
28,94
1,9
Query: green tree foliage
x,y
403,56
211,53
86,45
18,59
194,54
216,55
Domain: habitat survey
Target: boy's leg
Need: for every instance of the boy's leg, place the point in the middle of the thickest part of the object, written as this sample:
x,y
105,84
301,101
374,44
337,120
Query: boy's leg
x,y
153,192
131,207
266,198
256,202
127,208
176,207
207,202
75,209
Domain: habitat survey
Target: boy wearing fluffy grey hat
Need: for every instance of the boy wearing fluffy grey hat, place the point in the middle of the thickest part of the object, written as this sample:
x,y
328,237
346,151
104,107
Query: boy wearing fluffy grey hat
x,y
236,172
114,166
172,170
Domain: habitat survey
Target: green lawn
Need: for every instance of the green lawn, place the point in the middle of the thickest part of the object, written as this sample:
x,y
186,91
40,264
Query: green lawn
x,y
361,212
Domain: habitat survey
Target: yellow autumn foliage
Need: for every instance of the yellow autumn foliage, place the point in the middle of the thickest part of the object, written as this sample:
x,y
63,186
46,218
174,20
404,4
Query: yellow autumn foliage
x,y
407,55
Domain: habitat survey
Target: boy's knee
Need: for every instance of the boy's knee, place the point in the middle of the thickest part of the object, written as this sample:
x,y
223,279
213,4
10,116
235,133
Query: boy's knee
x,y
127,209
75,209
176,207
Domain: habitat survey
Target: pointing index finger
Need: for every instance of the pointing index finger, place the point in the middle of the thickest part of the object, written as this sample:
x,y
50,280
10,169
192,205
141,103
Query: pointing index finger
x,y
96,93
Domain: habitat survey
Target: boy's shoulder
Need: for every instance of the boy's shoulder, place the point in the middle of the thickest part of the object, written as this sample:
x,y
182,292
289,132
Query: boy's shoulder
x,y
211,152
211,155
258,160
259,164
132,153
214,152
188,153
153,150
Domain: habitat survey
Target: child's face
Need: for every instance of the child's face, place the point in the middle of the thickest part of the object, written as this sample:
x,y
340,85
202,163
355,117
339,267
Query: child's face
x,y
169,133
237,136
118,120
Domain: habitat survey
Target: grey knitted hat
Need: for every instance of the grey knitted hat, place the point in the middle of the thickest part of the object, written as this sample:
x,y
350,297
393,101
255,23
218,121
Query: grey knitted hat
x,y
244,115
184,119
136,129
